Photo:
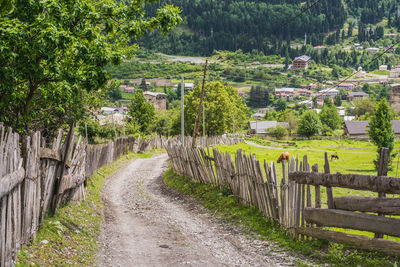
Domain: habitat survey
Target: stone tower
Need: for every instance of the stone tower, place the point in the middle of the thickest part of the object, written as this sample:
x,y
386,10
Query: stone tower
x,y
395,97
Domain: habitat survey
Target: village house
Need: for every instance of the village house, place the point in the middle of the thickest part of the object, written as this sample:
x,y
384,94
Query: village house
x,y
394,99
303,92
319,47
390,35
359,129
260,127
356,95
301,63
159,100
383,67
309,103
395,73
127,88
347,86
258,116
373,49
328,92
188,86
285,93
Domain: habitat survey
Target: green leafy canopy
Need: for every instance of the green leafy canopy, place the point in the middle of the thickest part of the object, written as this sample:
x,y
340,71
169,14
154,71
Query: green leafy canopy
x,y
53,55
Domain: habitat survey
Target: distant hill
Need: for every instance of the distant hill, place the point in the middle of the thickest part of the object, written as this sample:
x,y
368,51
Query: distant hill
x,y
259,24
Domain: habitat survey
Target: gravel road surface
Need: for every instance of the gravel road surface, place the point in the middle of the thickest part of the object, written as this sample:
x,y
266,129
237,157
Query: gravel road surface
x,y
148,224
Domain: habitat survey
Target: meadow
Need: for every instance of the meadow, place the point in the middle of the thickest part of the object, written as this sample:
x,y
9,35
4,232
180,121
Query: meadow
x,y
354,157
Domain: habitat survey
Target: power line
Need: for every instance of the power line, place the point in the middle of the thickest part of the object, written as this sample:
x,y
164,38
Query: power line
x,y
371,61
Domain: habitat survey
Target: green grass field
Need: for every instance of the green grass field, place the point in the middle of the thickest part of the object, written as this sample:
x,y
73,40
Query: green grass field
x,y
354,157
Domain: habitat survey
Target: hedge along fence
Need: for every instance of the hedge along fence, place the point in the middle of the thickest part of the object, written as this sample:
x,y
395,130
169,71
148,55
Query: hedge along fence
x,y
255,183
47,176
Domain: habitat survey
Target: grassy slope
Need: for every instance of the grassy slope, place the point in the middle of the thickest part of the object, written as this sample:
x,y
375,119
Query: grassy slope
x,y
355,160
223,204
70,236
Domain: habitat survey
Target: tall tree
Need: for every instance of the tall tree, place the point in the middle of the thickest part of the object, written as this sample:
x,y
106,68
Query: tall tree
x,y
309,124
53,55
141,112
330,117
223,108
380,128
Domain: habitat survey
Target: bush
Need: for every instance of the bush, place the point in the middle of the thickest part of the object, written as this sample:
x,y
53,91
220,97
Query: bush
x,y
278,132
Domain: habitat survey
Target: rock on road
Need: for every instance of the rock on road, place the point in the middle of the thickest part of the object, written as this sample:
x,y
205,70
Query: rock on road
x,y
147,224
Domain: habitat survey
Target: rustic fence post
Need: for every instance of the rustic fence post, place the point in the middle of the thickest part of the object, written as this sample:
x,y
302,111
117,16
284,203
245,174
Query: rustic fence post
x,y
329,193
382,171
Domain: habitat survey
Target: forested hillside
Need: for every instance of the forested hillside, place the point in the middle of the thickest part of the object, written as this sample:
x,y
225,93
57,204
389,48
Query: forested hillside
x,y
259,24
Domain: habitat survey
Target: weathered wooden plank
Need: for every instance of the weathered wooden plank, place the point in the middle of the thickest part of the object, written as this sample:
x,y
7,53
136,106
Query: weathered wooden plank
x,y
384,184
353,220
47,153
389,206
8,182
357,241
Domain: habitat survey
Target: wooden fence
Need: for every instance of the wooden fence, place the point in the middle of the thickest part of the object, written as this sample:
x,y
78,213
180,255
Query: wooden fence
x,y
290,202
48,175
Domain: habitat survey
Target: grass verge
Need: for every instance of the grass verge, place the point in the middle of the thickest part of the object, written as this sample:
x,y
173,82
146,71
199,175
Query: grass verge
x,y
70,236
223,204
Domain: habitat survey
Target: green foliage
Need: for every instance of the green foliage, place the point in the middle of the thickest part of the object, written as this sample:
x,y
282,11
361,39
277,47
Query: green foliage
x,y
54,53
6,6
363,106
161,124
380,127
330,117
258,97
114,91
141,112
222,105
338,101
309,124
278,132
280,104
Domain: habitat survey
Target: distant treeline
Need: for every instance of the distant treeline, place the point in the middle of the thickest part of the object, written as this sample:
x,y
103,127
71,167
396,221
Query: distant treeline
x,y
237,24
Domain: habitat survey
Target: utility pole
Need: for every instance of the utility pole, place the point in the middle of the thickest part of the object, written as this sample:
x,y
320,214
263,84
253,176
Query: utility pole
x,y
204,126
115,130
196,123
182,112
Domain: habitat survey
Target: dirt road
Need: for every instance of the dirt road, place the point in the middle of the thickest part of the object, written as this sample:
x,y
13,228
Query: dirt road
x,y
147,224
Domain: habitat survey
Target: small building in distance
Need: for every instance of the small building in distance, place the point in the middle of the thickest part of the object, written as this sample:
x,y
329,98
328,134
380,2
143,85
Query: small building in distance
x,y
395,73
188,86
359,129
309,103
159,100
394,99
319,47
301,63
260,127
373,50
347,86
328,92
356,95
258,116
383,67
285,93
390,35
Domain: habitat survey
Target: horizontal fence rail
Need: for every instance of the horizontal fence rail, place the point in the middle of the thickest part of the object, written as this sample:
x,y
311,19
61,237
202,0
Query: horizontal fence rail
x,y
295,202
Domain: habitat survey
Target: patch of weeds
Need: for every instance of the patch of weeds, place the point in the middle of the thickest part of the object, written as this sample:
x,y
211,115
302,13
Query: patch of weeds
x,y
224,205
70,236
